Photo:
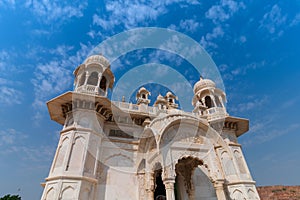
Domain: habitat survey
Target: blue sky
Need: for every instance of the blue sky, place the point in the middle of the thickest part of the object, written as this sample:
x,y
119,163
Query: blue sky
x,y
254,44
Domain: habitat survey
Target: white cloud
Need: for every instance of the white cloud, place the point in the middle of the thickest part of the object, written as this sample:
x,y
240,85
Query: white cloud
x,y
254,103
129,14
265,132
16,143
10,96
219,14
207,40
189,25
224,10
296,20
55,76
242,39
50,11
273,21
230,73
7,3
9,137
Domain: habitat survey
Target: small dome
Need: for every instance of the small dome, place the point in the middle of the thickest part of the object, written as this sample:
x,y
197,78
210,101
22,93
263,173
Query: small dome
x,y
160,97
160,100
97,59
203,83
144,90
170,94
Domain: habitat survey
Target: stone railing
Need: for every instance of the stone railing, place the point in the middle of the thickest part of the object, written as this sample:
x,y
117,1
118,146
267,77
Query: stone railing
x,y
215,113
90,89
130,107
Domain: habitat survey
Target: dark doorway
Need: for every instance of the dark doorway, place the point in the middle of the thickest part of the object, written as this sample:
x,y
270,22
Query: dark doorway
x,y
160,190
208,102
103,83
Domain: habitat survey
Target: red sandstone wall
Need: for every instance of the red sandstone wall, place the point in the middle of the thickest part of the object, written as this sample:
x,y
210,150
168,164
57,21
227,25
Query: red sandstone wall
x,y
279,192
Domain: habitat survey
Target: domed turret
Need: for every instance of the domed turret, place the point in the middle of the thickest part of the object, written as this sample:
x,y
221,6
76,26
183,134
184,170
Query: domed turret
x,y
208,100
142,96
161,102
171,100
203,84
94,76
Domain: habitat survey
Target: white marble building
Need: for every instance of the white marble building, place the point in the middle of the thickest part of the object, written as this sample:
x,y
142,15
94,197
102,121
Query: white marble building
x,y
118,150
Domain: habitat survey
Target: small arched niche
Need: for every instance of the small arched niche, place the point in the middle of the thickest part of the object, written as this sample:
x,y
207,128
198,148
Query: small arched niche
x,y
160,189
103,83
82,79
93,79
208,102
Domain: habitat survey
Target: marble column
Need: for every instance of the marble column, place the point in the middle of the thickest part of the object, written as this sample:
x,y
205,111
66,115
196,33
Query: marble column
x,y
149,186
169,185
219,187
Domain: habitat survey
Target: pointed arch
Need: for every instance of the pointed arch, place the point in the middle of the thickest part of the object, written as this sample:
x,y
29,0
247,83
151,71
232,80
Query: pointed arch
x,y
50,194
93,79
251,194
61,153
103,83
227,164
178,122
208,102
77,154
68,193
119,160
240,161
147,141
82,79
238,195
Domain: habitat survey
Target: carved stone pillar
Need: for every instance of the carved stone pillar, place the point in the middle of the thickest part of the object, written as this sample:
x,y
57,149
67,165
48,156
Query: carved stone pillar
x,y
99,79
86,78
169,185
219,187
149,186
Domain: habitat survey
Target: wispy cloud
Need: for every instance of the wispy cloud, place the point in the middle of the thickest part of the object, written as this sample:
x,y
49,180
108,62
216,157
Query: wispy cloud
x,y
254,102
295,20
10,96
219,14
229,73
186,26
223,10
129,14
15,143
55,76
7,3
264,132
56,11
207,40
273,21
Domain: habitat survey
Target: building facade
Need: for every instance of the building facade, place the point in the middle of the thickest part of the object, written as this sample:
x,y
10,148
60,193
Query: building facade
x,y
118,150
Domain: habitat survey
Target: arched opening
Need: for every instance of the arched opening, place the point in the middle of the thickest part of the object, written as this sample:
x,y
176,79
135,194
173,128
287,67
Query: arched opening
x,y
93,79
218,102
240,163
160,189
208,102
103,83
144,96
184,177
82,79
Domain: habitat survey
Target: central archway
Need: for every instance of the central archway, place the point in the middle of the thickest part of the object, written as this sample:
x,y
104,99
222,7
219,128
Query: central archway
x,y
160,189
191,182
